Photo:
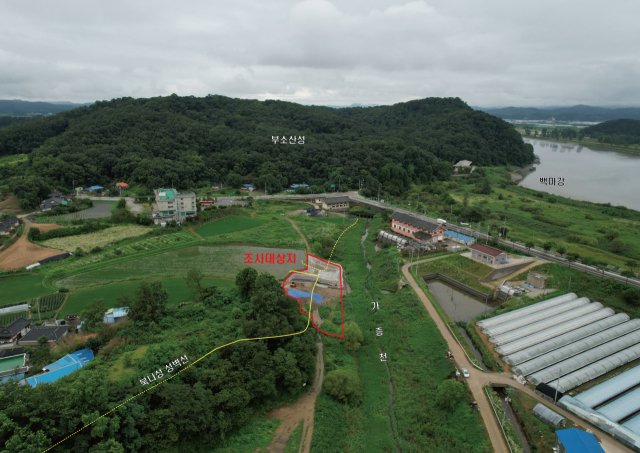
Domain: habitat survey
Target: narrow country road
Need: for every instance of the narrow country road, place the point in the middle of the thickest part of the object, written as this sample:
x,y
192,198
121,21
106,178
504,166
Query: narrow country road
x,y
478,379
302,410
301,235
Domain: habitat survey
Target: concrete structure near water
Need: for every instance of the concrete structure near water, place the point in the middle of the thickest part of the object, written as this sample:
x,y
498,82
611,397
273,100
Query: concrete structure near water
x,y
537,280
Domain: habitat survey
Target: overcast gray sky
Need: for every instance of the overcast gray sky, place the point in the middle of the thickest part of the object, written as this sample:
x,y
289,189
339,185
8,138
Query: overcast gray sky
x,y
487,52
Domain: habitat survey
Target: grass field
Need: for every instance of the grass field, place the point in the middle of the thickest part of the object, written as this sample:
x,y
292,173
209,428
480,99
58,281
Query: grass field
x,y
128,247
21,288
460,268
126,362
212,260
294,441
176,287
256,435
101,238
228,225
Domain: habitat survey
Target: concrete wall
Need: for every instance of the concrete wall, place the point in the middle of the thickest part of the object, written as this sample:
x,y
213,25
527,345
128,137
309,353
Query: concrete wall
x,y
457,284
503,272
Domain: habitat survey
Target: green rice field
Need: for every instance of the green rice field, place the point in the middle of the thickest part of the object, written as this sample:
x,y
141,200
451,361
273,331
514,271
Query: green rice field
x,y
20,288
211,260
228,225
176,287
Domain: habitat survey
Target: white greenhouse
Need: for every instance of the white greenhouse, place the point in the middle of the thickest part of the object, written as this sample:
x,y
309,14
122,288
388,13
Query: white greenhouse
x,y
515,314
596,369
612,387
578,361
545,324
549,339
572,349
535,317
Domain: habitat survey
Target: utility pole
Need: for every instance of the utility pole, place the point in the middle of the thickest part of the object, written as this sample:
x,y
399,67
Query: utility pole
x,y
555,398
378,193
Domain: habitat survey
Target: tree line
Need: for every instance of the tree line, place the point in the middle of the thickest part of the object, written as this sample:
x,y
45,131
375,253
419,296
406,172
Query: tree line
x,y
191,142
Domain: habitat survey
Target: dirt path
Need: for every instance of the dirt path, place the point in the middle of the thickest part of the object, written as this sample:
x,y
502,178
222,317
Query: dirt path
x,y
478,379
303,409
301,235
23,253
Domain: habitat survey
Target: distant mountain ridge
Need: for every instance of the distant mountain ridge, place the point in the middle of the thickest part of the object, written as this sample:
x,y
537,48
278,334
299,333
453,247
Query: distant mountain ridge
x,y
575,113
16,107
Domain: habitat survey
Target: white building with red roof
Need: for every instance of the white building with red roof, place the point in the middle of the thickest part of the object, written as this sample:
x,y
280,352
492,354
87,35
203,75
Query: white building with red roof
x,y
486,254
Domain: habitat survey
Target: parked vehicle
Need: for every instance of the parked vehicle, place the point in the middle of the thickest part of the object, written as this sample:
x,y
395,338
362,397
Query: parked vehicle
x,y
441,221
465,373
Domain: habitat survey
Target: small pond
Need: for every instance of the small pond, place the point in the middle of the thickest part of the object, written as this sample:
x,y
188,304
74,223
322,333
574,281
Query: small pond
x,y
459,305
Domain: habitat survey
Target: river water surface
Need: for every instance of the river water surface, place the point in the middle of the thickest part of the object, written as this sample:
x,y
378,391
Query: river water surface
x,y
589,174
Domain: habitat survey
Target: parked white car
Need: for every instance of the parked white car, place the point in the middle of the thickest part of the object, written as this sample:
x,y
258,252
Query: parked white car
x,y
465,373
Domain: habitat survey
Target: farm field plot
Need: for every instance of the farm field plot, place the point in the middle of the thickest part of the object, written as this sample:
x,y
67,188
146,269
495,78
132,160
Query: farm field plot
x,y
276,233
21,288
211,260
176,287
10,317
132,246
317,227
100,238
228,225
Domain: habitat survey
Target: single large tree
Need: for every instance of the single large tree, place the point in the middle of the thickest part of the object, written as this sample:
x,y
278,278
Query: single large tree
x,y
246,280
150,302
93,316
352,337
450,394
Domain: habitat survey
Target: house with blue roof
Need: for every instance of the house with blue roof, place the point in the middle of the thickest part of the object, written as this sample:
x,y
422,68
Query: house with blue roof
x,y
63,367
575,440
114,315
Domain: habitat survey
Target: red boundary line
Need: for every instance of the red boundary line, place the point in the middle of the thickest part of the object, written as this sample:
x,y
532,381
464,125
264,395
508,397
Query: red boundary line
x,y
300,301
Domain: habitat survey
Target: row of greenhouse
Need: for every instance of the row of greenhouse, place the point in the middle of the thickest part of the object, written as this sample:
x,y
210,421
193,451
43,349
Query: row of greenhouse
x,y
567,341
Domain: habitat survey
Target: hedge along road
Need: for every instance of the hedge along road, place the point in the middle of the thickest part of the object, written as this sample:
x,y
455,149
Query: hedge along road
x,y
478,379
317,385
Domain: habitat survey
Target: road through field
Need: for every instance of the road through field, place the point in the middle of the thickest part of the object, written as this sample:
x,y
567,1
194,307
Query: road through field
x,y
478,379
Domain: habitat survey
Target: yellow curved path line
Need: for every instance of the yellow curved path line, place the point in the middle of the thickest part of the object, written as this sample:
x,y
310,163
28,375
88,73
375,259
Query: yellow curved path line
x,y
214,350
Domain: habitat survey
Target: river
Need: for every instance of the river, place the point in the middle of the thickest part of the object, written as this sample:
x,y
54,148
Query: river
x,y
590,174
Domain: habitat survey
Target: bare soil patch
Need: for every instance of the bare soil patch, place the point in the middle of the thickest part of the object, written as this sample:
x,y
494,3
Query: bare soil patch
x,y
23,253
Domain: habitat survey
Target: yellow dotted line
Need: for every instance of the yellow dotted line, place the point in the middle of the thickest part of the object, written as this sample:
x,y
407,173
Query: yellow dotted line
x,y
210,352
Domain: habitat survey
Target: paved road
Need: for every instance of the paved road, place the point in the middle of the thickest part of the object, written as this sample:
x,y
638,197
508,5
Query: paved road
x,y
354,195
478,379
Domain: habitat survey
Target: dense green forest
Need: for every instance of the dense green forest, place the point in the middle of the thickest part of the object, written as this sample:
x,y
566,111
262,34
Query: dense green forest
x,y
194,142
618,132
196,409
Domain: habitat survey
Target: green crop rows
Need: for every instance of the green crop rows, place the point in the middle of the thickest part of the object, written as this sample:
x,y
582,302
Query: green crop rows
x,y
8,318
51,302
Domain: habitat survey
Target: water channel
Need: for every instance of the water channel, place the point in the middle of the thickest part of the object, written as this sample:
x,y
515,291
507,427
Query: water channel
x,y
590,174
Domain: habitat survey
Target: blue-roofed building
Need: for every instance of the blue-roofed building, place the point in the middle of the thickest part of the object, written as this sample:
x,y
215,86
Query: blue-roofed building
x,y
458,237
295,186
574,440
66,365
115,314
94,188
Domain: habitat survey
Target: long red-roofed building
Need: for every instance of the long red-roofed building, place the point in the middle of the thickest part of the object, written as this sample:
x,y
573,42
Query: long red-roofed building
x,y
487,254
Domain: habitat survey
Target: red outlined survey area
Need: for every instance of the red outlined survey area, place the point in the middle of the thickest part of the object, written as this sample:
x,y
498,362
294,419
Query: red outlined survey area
x,y
319,284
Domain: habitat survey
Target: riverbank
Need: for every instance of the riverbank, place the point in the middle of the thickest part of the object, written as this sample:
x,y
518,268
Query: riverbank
x,y
590,144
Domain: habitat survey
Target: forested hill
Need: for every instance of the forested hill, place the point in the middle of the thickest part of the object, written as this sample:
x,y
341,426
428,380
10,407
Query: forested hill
x,y
622,132
575,113
193,141
625,127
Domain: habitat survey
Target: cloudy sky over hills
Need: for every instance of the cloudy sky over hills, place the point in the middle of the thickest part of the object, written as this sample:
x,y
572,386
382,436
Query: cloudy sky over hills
x,y
489,53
